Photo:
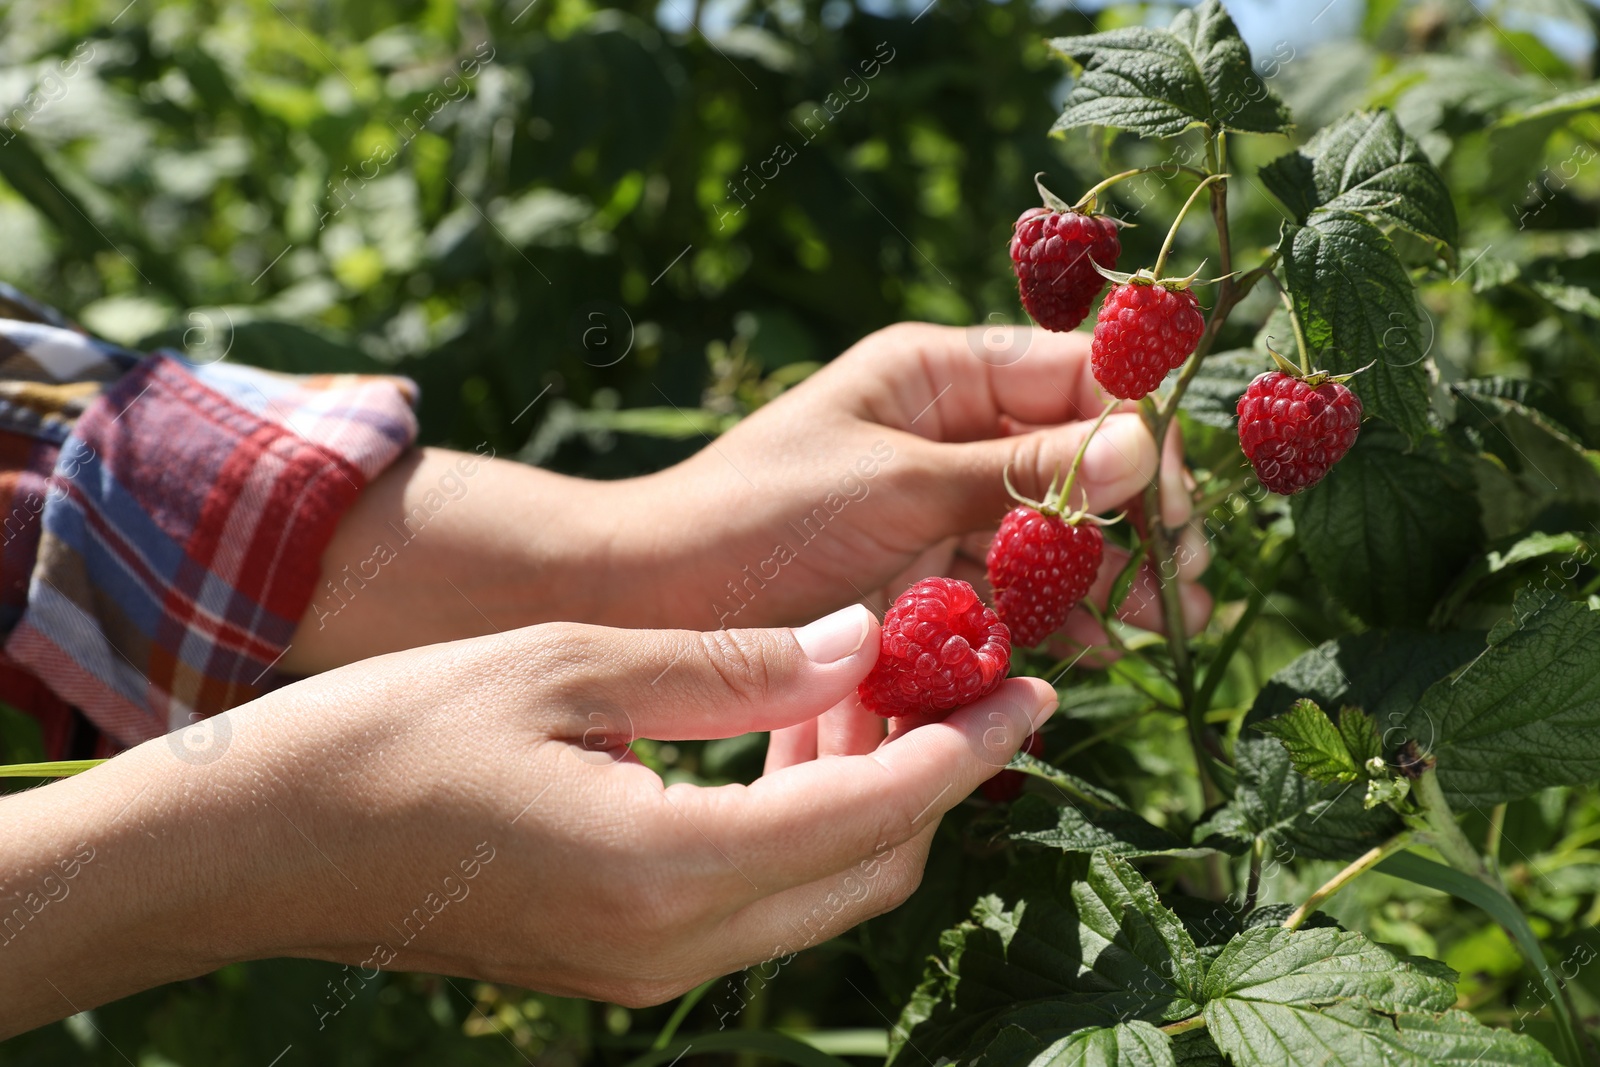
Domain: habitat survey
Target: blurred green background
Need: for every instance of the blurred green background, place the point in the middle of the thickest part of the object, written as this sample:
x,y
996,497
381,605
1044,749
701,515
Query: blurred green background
x,y
596,234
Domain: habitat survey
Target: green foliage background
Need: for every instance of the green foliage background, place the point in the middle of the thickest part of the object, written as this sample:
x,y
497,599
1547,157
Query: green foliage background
x,y
186,179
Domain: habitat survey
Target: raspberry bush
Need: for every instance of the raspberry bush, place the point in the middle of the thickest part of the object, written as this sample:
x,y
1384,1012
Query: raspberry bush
x,y
1454,684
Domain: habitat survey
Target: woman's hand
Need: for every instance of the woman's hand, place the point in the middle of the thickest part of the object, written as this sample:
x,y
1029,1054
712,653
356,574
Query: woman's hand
x,y
885,467
472,808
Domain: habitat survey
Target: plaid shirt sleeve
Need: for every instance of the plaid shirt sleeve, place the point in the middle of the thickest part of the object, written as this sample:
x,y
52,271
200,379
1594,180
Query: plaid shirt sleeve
x,y
165,524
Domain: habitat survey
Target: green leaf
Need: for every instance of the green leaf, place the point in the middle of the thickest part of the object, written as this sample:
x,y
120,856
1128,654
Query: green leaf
x,y
1562,554
1529,464
1158,83
1136,943
1358,306
1524,715
1385,675
1352,1035
1365,163
1054,956
1076,824
1102,703
1213,394
1423,871
1300,818
1329,996
1135,1044
1390,527
1270,964
1314,744
1517,138
1360,734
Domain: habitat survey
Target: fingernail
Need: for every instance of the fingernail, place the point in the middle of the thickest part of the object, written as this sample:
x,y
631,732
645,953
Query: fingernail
x,y
1121,450
833,637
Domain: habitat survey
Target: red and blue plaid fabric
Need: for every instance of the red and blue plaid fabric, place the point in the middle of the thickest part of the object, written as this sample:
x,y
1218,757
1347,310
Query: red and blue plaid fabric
x,y
164,522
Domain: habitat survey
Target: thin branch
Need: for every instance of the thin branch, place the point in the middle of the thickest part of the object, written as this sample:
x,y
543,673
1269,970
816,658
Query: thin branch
x,y
1355,869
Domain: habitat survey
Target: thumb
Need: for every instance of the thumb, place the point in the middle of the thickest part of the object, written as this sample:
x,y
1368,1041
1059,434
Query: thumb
x,y
1118,463
682,684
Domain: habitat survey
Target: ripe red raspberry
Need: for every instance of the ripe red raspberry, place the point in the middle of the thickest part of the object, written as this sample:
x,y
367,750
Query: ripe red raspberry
x,y
1051,252
941,649
1007,785
1144,330
1040,567
1292,432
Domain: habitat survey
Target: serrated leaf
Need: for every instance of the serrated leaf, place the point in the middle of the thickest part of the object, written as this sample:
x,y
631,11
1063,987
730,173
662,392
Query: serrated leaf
x,y
1134,940
1054,956
1135,1044
1529,463
1385,675
1328,996
1300,818
1073,826
1391,526
1322,966
1360,734
1524,715
1158,83
1367,164
1358,306
1352,1035
1314,744
1213,394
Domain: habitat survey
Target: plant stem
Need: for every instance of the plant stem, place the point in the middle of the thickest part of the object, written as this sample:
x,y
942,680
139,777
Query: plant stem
x,y
1183,1026
1086,201
1061,504
1444,833
1253,881
1294,324
1353,870
1172,232
1491,844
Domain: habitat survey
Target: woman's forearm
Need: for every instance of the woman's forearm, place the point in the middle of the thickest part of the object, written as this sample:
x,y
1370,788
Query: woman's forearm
x,y
446,545
109,884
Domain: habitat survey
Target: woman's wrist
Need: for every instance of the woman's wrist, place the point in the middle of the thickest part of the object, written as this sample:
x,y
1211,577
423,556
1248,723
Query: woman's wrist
x,y
114,881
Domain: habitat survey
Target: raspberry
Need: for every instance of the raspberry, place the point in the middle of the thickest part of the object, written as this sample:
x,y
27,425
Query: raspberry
x,y
1051,251
1040,567
1143,331
1293,432
941,649
1007,785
